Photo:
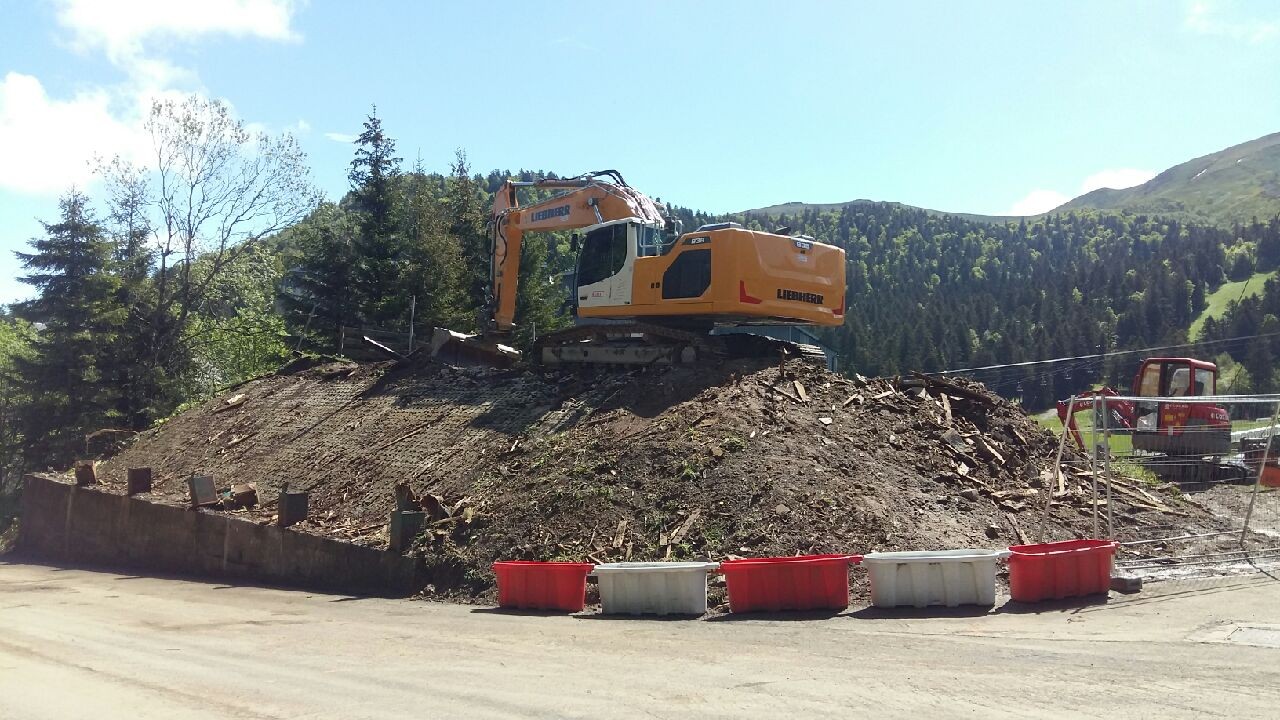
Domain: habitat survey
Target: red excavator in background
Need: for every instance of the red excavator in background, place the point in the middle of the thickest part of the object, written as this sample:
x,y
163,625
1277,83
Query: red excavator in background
x,y
1179,441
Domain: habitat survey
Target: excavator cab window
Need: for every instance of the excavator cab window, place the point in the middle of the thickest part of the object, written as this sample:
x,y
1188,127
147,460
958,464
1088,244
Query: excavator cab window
x,y
604,252
651,241
1205,382
1179,384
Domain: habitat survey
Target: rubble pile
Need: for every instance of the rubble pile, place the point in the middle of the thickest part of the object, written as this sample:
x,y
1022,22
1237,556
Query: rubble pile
x,y
750,458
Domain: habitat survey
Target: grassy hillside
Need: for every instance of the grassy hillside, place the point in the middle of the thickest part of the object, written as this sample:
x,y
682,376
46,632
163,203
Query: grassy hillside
x,y
1222,188
1217,301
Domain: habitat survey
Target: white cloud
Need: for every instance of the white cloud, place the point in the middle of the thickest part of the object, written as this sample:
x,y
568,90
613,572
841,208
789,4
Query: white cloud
x,y
340,137
47,143
1116,179
1041,201
1036,202
122,28
1221,18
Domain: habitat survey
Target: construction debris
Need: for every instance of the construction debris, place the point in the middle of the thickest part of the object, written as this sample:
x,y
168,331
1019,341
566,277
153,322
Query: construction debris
x,y
680,462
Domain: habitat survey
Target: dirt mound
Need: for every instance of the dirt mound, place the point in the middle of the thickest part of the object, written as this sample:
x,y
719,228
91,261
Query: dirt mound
x,y
663,463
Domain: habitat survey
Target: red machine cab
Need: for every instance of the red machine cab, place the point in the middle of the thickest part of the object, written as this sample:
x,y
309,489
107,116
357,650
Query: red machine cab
x,y
1179,428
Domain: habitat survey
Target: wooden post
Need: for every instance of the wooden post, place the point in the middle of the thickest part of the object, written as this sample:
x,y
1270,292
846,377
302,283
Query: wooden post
x,y
1262,467
86,474
139,480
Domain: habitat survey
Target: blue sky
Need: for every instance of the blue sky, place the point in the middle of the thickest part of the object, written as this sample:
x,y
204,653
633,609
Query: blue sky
x,y
987,107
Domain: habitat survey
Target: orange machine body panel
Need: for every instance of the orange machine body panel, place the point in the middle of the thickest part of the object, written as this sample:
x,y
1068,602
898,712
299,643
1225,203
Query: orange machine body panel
x,y
729,275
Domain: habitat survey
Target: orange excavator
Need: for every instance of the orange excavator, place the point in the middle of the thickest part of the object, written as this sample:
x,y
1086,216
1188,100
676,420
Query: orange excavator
x,y
645,293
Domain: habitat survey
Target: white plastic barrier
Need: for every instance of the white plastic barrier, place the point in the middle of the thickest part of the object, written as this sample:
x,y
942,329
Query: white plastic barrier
x,y
658,588
943,577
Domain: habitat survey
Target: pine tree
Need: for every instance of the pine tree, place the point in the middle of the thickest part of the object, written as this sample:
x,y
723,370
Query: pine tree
x,y
466,226
540,296
435,266
318,295
78,318
379,246
145,390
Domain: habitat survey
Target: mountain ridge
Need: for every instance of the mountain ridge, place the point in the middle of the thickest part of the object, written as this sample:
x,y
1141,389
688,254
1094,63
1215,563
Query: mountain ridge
x,y
1224,187
1230,186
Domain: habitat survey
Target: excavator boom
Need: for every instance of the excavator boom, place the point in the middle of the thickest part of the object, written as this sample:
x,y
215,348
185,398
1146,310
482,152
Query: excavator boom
x,y
587,202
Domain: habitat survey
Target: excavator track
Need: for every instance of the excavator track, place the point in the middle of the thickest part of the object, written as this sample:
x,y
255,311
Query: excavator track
x,y
639,343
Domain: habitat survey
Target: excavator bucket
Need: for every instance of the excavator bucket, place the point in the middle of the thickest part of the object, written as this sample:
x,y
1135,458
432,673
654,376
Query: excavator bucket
x,y
458,348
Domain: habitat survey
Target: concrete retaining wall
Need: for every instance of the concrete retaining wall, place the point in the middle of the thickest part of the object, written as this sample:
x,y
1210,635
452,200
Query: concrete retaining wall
x,y
82,525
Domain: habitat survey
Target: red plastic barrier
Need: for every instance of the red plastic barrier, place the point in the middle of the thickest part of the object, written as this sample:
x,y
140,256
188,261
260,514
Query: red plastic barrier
x,y
542,585
804,582
1056,570
1270,475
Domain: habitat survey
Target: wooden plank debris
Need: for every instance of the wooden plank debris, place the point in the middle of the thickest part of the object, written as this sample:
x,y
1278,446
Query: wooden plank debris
x,y
1022,537
785,394
800,392
985,447
680,532
621,534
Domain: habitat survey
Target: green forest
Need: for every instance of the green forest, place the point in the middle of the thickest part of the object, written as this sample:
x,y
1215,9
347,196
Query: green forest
x,y
220,262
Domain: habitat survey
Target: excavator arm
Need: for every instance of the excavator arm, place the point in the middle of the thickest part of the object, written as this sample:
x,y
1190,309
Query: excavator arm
x,y
1121,411
587,201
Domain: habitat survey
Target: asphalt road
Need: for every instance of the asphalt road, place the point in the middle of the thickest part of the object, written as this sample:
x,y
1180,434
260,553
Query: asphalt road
x,y
103,645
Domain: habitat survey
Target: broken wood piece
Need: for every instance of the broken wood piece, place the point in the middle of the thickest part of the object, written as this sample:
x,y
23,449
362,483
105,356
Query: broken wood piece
x,y
825,420
620,535
987,449
1021,494
946,409
234,401
784,393
954,389
680,532
852,399
1017,530
800,392
955,440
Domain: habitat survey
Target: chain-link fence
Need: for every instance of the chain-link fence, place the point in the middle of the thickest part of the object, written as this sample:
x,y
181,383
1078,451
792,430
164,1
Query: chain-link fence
x,y
1198,477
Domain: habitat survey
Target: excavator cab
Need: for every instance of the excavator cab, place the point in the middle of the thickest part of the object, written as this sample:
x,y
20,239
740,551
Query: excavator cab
x,y
606,260
1174,427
